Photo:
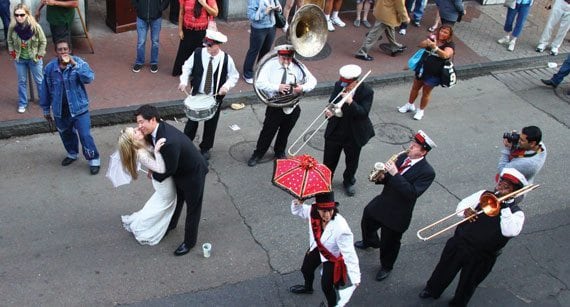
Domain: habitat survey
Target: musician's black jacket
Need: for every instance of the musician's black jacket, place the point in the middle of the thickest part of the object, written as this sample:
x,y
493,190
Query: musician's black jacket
x,y
354,124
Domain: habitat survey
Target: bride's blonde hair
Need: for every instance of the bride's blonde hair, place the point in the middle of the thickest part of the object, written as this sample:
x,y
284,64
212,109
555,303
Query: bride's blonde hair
x,y
128,147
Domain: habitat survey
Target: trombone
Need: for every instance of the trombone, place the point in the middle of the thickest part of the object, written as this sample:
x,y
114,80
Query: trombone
x,y
335,108
490,205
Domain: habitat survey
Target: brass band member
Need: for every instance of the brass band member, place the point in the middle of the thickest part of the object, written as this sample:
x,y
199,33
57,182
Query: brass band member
x,y
352,131
404,182
475,246
280,75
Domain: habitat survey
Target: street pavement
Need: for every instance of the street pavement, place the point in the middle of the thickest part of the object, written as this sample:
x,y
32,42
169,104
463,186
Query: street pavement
x,y
62,243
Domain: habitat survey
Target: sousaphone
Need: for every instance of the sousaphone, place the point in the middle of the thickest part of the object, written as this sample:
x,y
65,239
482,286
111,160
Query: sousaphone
x,y
308,34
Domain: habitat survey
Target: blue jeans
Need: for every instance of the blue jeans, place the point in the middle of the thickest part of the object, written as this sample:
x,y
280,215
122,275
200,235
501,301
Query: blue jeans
x,y
71,127
5,15
260,42
520,12
142,30
22,70
418,9
562,72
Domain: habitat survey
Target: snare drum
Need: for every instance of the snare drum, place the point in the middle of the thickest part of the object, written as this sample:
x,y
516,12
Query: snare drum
x,y
200,107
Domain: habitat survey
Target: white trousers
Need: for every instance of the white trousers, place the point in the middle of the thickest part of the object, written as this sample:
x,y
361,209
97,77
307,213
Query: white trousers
x,y
560,14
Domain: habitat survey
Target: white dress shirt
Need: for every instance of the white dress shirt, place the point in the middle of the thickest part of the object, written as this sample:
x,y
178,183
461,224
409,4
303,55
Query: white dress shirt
x,y
269,79
231,78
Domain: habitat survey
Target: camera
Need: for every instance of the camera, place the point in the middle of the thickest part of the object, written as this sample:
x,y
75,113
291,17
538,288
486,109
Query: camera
x,y
512,137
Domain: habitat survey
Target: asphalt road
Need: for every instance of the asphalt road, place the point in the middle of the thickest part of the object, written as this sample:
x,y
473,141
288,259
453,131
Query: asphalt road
x,y
62,244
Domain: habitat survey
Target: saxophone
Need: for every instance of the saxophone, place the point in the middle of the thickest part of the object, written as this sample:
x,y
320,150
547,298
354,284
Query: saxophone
x,y
380,167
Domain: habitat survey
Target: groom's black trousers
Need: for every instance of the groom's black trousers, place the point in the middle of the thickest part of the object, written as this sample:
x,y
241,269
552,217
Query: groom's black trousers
x,y
191,192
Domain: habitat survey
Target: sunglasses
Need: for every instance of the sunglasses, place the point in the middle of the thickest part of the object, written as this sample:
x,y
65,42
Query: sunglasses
x,y
19,15
208,43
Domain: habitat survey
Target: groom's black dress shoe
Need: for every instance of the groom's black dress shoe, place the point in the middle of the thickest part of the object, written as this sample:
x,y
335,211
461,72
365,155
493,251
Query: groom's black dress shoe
x,y
183,249
300,289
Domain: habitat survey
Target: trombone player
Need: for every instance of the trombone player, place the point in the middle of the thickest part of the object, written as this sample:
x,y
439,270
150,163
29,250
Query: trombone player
x,y
352,131
283,75
475,246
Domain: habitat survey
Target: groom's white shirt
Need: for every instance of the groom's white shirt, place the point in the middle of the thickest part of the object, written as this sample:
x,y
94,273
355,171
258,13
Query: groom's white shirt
x,y
153,134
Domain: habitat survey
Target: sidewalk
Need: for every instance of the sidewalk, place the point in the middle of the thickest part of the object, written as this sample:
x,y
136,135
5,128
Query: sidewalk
x,y
117,88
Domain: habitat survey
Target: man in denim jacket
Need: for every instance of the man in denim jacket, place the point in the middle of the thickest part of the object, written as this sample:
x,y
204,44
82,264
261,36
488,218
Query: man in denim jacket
x,y
65,96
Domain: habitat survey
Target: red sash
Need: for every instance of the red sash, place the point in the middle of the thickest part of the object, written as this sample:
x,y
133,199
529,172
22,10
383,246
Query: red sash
x,y
340,272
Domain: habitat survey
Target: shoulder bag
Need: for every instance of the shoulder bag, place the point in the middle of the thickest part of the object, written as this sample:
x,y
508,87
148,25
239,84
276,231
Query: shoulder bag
x,y
279,19
448,76
416,59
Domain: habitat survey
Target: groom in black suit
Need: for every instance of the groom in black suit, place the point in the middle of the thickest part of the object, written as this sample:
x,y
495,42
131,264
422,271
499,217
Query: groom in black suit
x,y
404,182
186,166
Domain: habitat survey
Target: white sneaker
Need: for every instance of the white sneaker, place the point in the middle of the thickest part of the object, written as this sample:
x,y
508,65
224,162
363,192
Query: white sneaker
x,y
402,32
330,25
511,46
504,40
419,114
21,109
336,21
540,47
554,51
408,107
248,80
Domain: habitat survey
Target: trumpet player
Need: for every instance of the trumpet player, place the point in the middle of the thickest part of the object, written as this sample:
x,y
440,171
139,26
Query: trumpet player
x,y
280,76
475,246
352,131
391,211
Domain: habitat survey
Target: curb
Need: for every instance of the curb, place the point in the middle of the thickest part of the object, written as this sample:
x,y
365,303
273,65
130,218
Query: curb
x,y
173,108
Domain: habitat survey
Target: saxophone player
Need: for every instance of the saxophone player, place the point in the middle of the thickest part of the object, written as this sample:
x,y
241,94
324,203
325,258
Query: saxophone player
x,y
391,211
282,75
352,131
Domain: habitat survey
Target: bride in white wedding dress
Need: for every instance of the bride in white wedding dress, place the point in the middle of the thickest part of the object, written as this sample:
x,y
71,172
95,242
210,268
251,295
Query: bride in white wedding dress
x,y
149,224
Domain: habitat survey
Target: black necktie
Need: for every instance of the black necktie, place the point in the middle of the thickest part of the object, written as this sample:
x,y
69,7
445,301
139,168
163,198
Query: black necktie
x,y
284,77
208,81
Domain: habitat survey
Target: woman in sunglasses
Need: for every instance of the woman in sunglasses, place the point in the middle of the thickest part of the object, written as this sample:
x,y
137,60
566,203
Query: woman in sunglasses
x,y
27,46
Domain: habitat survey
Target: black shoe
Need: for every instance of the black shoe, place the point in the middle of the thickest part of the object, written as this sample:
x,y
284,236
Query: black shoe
x,y
549,82
205,153
300,289
67,161
280,155
363,245
94,170
399,50
349,190
382,274
253,161
154,68
183,249
364,57
137,67
425,294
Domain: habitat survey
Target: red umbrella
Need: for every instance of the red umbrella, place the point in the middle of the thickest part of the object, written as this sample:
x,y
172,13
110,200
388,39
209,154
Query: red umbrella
x,y
302,176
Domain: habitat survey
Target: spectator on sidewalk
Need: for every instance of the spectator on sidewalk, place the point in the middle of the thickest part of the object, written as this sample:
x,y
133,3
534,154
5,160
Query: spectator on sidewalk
x,y
332,7
287,11
389,14
27,46
5,16
415,9
526,154
59,15
362,10
261,35
560,15
192,24
450,11
519,10
65,97
440,48
174,11
560,75
204,67
149,16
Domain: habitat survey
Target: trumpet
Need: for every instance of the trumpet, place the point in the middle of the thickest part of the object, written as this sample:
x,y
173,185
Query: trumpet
x,y
335,108
490,205
380,167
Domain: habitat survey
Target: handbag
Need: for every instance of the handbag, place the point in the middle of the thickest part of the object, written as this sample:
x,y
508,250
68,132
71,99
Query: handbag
x,y
280,21
416,59
510,4
448,76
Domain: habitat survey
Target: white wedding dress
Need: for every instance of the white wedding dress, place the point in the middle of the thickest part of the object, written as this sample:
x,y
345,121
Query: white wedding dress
x,y
149,224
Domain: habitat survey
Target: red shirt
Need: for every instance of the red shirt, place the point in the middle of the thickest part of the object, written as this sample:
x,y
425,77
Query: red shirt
x,y
191,22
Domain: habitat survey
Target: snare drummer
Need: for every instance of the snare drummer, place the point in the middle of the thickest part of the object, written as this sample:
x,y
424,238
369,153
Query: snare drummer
x,y
280,75
205,81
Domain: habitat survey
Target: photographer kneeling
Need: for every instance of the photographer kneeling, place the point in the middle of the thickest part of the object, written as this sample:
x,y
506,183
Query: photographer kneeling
x,y
524,152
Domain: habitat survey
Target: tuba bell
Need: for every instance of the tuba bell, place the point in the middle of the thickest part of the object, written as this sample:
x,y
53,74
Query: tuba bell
x,y
308,35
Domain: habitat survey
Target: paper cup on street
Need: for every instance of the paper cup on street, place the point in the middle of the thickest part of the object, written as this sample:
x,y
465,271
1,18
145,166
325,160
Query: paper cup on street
x,y
552,65
207,249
